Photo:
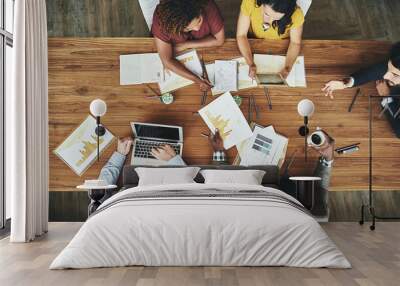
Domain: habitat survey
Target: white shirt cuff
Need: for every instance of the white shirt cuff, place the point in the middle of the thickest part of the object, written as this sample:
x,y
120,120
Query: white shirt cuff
x,y
350,83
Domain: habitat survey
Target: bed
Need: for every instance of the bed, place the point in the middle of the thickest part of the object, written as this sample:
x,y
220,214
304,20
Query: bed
x,y
198,224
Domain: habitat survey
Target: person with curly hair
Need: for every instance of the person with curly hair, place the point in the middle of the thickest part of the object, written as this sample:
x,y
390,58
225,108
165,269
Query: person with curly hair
x,y
186,24
273,20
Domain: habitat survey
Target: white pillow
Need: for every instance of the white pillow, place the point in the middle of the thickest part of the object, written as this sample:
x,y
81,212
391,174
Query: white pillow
x,y
246,177
166,176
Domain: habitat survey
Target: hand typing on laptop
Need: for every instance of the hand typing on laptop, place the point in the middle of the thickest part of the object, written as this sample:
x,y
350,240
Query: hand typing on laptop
x,y
124,146
163,153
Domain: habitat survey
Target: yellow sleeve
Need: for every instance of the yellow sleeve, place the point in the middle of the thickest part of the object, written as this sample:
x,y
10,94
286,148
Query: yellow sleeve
x,y
247,7
297,18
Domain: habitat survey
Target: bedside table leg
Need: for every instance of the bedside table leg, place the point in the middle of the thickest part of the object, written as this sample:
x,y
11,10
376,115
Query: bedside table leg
x,y
95,198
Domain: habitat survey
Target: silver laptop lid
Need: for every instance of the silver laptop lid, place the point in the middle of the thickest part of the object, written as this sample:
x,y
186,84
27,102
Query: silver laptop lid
x,y
157,132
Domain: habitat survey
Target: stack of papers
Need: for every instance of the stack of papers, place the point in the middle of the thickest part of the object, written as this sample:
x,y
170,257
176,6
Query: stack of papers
x,y
273,64
241,79
264,147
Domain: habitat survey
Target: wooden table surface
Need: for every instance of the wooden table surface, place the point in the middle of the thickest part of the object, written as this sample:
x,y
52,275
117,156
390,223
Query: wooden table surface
x,y
82,69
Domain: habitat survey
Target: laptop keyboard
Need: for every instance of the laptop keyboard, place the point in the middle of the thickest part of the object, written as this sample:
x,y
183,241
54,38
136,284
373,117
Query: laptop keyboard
x,y
143,148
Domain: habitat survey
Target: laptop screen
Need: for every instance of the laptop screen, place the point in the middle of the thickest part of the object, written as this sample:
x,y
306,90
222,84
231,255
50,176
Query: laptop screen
x,y
157,132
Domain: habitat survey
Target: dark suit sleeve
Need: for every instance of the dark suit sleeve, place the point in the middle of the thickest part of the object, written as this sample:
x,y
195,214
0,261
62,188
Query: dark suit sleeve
x,y
395,90
394,107
369,74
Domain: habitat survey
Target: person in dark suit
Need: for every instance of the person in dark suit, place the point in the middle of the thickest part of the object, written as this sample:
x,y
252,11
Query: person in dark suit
x,y
387,79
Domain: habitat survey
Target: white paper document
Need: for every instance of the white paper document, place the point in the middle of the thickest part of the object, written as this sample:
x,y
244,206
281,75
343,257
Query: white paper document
x,y
244,81
226,75
170,81
246,144
297,76
269,64
265,147
273,64
140,68
224,114
210,68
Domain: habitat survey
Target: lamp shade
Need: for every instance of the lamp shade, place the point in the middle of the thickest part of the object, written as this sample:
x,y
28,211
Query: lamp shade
x,y
306,108
98,108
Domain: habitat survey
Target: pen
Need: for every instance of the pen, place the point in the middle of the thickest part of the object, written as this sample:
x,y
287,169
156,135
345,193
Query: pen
x,y
269,102
341,149
255,107
153,90
204,77
354,99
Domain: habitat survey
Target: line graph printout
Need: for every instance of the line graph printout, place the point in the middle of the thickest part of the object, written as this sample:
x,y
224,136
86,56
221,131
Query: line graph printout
x,y
224,114
79,150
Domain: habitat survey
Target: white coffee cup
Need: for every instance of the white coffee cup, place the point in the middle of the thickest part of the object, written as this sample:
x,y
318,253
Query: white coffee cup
x,y
316,139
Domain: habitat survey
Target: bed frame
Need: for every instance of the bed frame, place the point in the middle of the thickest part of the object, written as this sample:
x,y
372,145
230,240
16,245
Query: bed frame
x,y
271,178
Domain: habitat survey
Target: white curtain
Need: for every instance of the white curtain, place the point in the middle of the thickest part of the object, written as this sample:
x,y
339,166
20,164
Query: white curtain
x,y
27,123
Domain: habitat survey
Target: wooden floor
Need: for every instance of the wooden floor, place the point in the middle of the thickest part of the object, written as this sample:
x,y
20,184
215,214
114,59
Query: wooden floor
x,y
327,19
375,257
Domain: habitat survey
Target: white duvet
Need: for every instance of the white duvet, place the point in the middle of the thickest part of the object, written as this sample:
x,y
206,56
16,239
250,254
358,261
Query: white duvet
x,y
200,231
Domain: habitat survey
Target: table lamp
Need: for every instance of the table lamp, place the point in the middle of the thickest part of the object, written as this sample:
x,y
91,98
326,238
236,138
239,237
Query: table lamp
x,y
98,108
306,109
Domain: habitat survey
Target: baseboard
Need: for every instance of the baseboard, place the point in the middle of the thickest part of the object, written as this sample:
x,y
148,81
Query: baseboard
x,y
68,206
343,206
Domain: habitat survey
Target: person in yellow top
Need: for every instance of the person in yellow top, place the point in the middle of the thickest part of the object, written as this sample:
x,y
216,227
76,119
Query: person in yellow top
x,y
274,20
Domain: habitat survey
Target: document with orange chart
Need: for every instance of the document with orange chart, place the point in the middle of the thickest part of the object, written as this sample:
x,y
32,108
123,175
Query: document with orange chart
x,y
224,114
79,150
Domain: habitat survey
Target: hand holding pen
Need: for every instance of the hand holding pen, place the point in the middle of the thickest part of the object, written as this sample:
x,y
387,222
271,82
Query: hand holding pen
x,y
216,140
204,83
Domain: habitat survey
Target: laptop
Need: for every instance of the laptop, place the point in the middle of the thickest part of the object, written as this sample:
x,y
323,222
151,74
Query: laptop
x,y
148,136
